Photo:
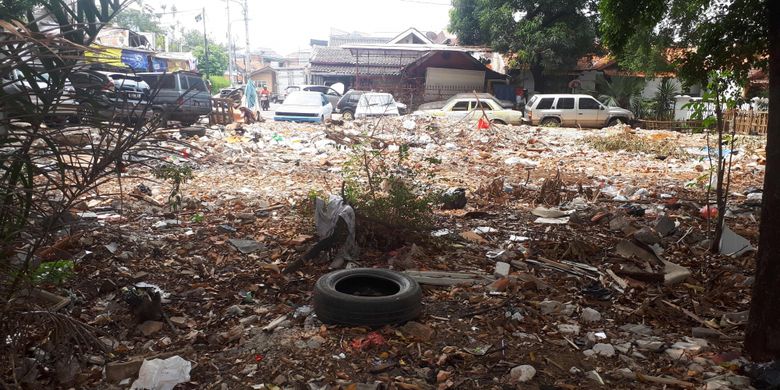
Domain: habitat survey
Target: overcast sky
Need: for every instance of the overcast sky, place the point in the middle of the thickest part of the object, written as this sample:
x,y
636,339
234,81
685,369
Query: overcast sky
x,y
287,25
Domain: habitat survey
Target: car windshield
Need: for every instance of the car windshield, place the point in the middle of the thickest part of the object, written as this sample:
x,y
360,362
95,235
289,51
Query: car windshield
x,y
376,99
304,99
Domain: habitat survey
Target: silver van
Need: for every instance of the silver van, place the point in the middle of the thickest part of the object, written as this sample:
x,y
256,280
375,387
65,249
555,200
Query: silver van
x,y
571,110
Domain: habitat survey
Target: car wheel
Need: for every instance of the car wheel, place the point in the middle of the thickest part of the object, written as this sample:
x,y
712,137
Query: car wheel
x,y
367,296
497,122
347,115
159,118
551,122
615,121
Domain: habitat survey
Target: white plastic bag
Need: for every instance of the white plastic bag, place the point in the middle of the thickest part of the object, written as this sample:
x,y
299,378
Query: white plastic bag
x,y
157,374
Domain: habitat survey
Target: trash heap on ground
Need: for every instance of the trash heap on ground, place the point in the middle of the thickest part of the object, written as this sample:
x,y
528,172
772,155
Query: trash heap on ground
x,y
550,263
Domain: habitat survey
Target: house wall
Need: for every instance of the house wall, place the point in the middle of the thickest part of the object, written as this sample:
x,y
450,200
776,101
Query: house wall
x,y
524,79
286,77
265,78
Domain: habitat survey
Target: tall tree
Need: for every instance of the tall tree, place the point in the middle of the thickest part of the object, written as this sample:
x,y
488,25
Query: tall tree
x,y
17,9
139,21
734,37
762,338
542,35
217,62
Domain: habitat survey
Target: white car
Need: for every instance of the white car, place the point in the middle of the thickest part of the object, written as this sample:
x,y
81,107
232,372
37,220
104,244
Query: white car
x,y
472,107
376,104
302,106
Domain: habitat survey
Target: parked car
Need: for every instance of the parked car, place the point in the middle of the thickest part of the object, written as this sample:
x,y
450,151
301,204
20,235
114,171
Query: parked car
x,y
181,96
129,85
573,110
86,95
98,95
348,103
468,106
231,93
482,96
373,104
333,93
304,106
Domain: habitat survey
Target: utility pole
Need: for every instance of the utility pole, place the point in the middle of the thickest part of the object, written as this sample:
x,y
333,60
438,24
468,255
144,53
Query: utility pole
x,y
246,31
206,43
230,45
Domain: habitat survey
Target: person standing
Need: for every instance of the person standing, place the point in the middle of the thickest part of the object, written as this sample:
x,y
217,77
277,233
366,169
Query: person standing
x,y
520,99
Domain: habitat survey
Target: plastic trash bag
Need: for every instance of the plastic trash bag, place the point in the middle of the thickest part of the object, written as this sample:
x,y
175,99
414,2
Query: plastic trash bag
x,y
158,374
327,216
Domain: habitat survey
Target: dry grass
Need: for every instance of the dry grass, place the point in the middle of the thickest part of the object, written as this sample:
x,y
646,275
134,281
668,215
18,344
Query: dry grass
x,y
659,145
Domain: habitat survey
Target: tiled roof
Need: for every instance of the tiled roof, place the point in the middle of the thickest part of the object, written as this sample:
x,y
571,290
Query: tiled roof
x,y
338,56
349,70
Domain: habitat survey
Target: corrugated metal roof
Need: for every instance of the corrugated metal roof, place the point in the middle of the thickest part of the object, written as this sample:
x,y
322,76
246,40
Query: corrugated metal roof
x,y
339,56
349,70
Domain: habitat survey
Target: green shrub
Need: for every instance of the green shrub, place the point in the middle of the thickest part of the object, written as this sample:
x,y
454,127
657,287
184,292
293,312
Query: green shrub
x,y
54,272
218,82
387,195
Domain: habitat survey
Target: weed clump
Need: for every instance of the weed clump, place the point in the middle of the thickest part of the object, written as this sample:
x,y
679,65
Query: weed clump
x,y
632,142
391,204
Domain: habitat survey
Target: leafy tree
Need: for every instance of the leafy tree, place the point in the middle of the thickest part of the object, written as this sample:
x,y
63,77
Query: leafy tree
x,y
727,35
730,38
17,9
139,21
217,62
542,35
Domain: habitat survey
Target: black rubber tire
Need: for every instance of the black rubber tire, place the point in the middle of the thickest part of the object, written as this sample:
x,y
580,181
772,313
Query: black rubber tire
x,y
614,121
336,307
497,122
189,121
550,122
347,115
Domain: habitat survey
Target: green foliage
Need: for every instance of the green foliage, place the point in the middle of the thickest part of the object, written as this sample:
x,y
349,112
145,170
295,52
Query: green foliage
x,y
219,82
625,92
217,62
178,175
663,101
139,21
54,272
197,218
17,9
384,188
547,34
715,94
726,35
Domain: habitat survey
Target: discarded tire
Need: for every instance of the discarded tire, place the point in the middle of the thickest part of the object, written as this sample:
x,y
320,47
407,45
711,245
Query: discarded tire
x,y
367,296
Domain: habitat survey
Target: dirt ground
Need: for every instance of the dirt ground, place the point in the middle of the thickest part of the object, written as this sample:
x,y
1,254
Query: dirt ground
x,y
593,260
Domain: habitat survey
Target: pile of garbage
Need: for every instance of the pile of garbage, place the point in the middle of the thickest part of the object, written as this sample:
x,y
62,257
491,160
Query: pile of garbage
x,y
550,263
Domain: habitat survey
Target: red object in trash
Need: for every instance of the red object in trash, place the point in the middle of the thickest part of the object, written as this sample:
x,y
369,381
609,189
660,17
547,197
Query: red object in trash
x,y
370,340
708,212
483,124
259,358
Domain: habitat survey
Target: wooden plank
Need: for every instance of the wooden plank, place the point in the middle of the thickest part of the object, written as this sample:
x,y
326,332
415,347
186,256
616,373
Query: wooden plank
x,y
437,278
